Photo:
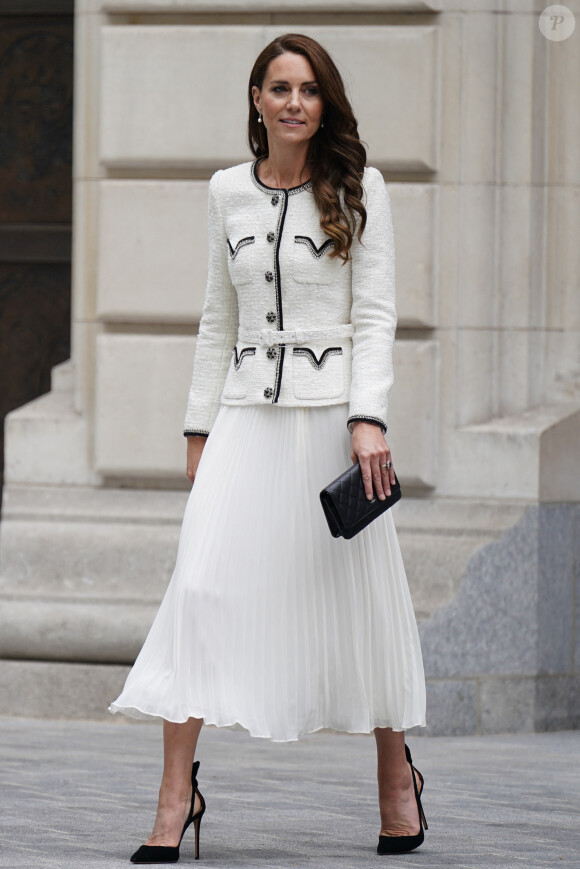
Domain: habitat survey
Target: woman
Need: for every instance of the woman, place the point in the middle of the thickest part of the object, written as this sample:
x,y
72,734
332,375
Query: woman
x,y
269,624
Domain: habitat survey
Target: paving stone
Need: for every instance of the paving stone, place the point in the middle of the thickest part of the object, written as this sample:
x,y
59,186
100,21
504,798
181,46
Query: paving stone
x,y
82,794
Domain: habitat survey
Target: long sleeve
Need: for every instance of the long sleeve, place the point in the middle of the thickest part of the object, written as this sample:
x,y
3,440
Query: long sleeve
x,y
373,313
218,327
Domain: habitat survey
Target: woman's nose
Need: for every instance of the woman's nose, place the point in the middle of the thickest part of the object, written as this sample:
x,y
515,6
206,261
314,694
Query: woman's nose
x,y
294,98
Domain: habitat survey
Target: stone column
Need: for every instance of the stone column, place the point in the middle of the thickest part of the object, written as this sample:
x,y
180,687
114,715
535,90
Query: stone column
x,y
472,116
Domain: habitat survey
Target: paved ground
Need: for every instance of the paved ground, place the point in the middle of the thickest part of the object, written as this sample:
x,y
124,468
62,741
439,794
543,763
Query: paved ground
x,y
82,794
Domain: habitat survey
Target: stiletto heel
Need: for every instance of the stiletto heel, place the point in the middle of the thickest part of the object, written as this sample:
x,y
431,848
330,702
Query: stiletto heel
x,y
170,854
196,826
402,844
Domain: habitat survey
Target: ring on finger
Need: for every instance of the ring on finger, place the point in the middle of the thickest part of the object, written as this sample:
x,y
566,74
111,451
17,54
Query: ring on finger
x,y
388,466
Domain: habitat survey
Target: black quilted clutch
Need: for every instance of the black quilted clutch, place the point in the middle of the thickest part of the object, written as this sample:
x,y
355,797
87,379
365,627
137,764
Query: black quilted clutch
x,y
347,508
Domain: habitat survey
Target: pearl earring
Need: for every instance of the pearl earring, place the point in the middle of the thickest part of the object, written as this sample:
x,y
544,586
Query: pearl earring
x,y
322,121
259,118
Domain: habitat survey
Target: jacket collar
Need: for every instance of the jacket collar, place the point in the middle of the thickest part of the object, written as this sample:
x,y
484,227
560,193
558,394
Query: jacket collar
x,y
264,187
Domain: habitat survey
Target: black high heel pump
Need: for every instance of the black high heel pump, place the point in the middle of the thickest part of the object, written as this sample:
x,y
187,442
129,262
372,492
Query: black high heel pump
x,y
170,854
402,844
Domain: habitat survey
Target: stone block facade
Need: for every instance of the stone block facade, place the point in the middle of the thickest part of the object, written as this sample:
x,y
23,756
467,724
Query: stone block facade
x,y
472,116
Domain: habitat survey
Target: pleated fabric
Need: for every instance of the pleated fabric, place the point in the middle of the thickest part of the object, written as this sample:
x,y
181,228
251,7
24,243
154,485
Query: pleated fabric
x,y
269,624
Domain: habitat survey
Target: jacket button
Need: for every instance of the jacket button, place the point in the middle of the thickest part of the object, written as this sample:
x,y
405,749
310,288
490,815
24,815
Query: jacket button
x,y
270,316
268,392
269,276
275,200
271,352
271,236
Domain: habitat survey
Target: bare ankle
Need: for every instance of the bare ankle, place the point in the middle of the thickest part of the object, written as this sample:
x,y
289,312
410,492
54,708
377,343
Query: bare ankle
x,y
391,785
172,796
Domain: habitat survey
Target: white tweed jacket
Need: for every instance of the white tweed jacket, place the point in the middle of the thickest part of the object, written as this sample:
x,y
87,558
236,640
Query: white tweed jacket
x,y
282,322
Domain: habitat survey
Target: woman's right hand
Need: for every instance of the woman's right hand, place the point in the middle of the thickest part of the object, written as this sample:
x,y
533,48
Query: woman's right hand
x,y
195,445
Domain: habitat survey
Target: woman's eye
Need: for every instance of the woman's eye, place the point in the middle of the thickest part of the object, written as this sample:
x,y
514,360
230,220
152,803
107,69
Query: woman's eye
x,y
280,88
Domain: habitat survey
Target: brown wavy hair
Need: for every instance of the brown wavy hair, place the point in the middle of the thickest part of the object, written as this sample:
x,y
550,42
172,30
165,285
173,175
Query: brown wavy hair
x,y
336,156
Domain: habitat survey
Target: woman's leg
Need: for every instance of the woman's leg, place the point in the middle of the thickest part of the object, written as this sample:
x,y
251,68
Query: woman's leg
x,y
179,743
397,803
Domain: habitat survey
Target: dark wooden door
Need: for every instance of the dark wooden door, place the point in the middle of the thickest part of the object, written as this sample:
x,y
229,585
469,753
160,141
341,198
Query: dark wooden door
x,y
36,108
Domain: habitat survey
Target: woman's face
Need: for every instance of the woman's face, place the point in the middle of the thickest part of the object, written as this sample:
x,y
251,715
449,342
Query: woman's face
x,y
289,101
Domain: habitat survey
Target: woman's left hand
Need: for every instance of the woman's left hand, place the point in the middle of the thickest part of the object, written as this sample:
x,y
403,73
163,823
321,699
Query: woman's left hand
x,y
369,447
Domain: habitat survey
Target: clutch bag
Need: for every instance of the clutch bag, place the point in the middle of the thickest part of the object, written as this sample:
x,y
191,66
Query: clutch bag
x,y
347,508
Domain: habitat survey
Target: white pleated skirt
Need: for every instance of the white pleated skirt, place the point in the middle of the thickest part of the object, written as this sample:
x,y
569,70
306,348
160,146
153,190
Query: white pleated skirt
x,y
269,624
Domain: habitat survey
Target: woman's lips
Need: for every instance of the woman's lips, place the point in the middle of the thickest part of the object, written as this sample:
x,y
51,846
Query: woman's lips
x,y
292,123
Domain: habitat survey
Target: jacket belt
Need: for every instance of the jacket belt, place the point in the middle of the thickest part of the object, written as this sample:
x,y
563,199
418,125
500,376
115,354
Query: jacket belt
x,y
271,337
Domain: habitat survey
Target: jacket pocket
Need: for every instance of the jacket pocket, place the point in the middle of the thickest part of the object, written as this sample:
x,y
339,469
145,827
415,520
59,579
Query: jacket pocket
x,y
241,259
317,374
239,373
311,261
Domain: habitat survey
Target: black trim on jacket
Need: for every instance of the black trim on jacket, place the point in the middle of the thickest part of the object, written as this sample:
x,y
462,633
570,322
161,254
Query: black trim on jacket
x,y
278,285
311,355
315,251
373,419
250,239
246,351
